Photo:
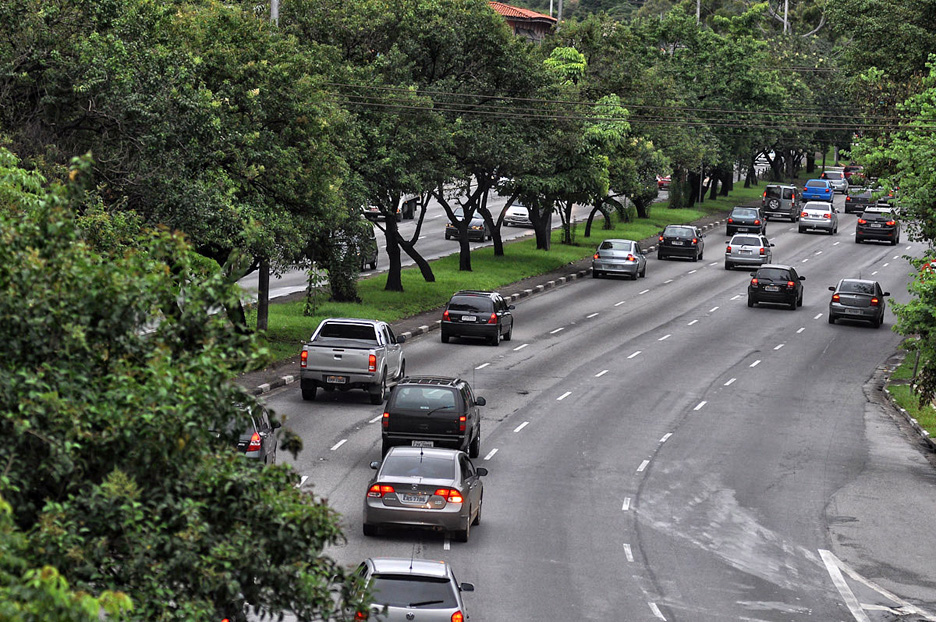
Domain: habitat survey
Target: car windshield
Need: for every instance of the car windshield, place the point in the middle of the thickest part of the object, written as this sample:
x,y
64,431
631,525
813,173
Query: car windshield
x,y
856,287
410,591
744,212
746,240
616,245
679,232
816,183
423,398
773,274
418,466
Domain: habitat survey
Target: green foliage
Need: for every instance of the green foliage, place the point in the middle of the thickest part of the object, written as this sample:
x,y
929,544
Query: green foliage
x,y
567,63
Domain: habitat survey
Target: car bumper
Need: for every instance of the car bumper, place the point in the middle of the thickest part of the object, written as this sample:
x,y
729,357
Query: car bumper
x,y
828,198
321,379
855,313
477,236
744,228
746,260
453,329
518,222
781,213
629,268
450,518
876,234
851,208
819,225
783,296
678,251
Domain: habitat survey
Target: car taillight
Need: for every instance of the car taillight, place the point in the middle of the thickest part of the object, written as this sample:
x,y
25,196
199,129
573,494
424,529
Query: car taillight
x,y
890,223
730,220
757,221
727,249
458,617
862,221
445,316
661,238
804,215
764,196
360,616
372,362
303,358
835,297
875,302
461,423
763,251
695,240
827,215
790,284
827,189
597,256
754,282
451,495
377,491
254,444
492,319
385,420
847,199
631,258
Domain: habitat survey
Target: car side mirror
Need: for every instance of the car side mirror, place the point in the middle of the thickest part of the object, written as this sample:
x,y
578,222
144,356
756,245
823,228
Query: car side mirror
x,y
772,244
511,307
753,274
401,339
886,294
276,425
466,587
375,464
481,471
480,401
831,289
802,278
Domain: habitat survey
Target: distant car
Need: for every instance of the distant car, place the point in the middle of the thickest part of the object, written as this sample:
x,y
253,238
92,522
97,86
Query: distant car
x,y
367,249
663,182
518,216
681,241
776,283
254,434
836,179
781,201
746,249
818,216
407,588
425,487
878,223
857,299
746,219
477,229
477,314
857,198
853,171
619,257
818,190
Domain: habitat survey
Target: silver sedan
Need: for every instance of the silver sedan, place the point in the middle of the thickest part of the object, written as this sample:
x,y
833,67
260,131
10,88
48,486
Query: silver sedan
x,y
619,257
746,249
425,487
819,216
409,588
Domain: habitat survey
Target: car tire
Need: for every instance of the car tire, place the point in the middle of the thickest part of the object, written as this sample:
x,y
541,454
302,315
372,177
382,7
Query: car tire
x,y
695,257
793,305
728,266
702,254
477,519
495,340
509,334
596,274
643,273
462,535
878,322
373,265
474,448
857,240
377,396
799,301
660,256
308,392
831,319
445,338
895,241
371,530
802,230
750,301
402,373
448,237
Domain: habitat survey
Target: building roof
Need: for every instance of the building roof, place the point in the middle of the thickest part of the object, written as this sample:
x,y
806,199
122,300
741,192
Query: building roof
x,y
514,12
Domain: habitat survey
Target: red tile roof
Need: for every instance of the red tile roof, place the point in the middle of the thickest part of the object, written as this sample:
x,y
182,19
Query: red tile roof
x,y
516,12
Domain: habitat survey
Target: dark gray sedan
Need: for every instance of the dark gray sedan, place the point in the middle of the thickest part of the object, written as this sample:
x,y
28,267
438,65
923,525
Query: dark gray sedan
x,y
857,299
425,487
619,257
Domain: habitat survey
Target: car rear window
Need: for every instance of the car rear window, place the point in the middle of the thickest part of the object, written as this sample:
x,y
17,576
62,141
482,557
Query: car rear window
x,y
773,274
857,192
883,216
418,466
817,183
834,175
856,287
348,331
746,240
410,591
471,304
422,398
744,212
773,192
679,232
616,245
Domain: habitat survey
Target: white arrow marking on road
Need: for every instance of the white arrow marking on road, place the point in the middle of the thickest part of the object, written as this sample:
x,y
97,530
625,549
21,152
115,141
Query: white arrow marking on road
x,y
628,553
521,426
643,465
563,396
482,365
601,373
339,444
491,455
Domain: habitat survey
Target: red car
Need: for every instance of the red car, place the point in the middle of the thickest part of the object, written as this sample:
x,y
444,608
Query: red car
x,y
663,183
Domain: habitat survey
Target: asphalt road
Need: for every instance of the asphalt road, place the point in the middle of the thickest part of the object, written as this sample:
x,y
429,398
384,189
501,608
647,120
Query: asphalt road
x,y
659,451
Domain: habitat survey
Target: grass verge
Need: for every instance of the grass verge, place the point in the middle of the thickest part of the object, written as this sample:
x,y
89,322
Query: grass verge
x,y
288,326
906,397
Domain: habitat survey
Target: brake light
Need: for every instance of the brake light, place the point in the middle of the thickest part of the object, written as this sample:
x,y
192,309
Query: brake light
x,y
360,616
458,617
862,221
596,256
492,319
731,220
303,358
661,238
764,196
827,189
757,221
827,215
695,240
727,249
385,421
445,316
763,251
254,444
847,199
631,258
377,491
804,215
890,223
754,282
461,423
875,302
835,297
372,362
790,284
451,495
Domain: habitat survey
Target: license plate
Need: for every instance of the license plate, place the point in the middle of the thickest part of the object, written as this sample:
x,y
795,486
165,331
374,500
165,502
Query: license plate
x,y
875,226
852,312
405,498
336,380
747,252
677,242
772,288
469,318
423,443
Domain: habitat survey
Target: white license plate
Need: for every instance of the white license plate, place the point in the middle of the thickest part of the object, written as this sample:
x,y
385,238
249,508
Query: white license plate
x,y
336,380
677,243
469,318
747,252
405,498
423,443
875,226
852,311
771,288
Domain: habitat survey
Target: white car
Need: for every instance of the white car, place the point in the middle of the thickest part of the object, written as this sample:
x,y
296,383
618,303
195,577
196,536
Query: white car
x,y
818,216
518,216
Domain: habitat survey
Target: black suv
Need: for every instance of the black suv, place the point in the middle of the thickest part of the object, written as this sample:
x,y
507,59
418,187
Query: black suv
x,y
681,241
746,220
857,198
472,313
777,284
878,223
433,411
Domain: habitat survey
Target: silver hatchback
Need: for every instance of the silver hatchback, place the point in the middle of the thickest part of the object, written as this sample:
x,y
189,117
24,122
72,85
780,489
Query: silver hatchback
x,y
406,588
619,257
746,249
818,216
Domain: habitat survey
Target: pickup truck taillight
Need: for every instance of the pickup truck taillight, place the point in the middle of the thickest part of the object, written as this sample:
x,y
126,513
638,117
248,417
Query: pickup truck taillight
x,y
461,423
303,358
372,362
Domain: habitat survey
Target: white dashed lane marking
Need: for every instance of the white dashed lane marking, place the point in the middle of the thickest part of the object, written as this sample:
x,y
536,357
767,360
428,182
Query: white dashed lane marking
x,y
601,373
730,382
626,505
643,465
618,304
820,252
447,543
375,419
736,297
906,249
588,317
634,354
339,444
779,346
664,337
521,347
521,426
801,330
558,330
693,271
896,256
692,322
700,405
755,363
886,264
491,454
482,365
818,316
643,292
714,263
873,273
713,310
563,396
628,554
835,244
667,281
302,480
666,437
805,260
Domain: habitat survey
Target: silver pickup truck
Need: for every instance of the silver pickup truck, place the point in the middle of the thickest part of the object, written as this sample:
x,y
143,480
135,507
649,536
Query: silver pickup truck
x,y
348,353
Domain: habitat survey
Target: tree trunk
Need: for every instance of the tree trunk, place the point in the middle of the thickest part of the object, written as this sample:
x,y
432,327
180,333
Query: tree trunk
x,y
810,162
494,227
394,273
263,294
713,189
597,209
424,268
727,183
542,219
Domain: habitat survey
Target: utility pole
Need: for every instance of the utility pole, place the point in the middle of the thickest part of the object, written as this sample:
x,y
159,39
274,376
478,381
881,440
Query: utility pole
x,y
698,12
274,11
786,10
559,14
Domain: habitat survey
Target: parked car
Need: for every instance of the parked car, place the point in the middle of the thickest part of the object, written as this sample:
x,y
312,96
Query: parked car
x,y
351,353
417,487
433,411
776,283
681,241
518,215
878,223
746,249
478,230
746,219
818,190
407,588
857,299
818,216
663,182
254,434
837,179
477,314
619,257
858,198
781,201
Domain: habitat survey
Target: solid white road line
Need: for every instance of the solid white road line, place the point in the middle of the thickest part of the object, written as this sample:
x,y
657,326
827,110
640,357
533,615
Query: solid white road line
x,y
521,347
302,480
628,554
643,465
558,330
375,419
656,611
626,505
713,310
818,316
563,396
588,317
618,304
801,330
482,365
601,373
491,454
339,444
692,322
521,426
643,292
778,347
755,363
839,581
634,354
700,405
664,337
730,382
666,437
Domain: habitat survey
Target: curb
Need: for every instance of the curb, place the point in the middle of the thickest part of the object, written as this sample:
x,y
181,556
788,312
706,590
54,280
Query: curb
x,y
923,434
282,381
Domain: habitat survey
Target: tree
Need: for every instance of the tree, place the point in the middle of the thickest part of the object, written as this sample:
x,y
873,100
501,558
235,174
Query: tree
x,y
120,415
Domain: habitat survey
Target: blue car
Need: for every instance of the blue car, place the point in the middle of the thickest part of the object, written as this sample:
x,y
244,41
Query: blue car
x,y
818,190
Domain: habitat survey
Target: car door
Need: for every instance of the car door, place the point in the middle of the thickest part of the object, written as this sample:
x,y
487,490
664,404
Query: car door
x,y
641,258
503,311
472,415
470,481
267,438
394,352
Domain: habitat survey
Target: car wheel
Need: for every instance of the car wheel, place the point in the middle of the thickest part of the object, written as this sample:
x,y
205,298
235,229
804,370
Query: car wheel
x,y
377,395
702,254
462,534
831,319
695,257
643,273
474,449
799,301
660,256
373,265
308,392
445,338
895,241
878,322
495,340
371,530
857,240
596,274
448,237
750,301
728,266
793,305
477,519
509,334
801,230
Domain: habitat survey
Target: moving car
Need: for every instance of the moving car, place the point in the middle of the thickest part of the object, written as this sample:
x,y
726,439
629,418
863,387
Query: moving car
x,y
776,283
254,434
425,487
819,216
681,241
663,182
853,171
818,190
408,589
837,179
518,215
781,201
857,299
857,198
478,230
746,219
878,223
747,249
433,411
477,314
619,257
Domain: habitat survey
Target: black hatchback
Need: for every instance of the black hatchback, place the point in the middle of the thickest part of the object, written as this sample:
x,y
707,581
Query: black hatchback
x,y
681,241
776,283
878,223
746,220
478,314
